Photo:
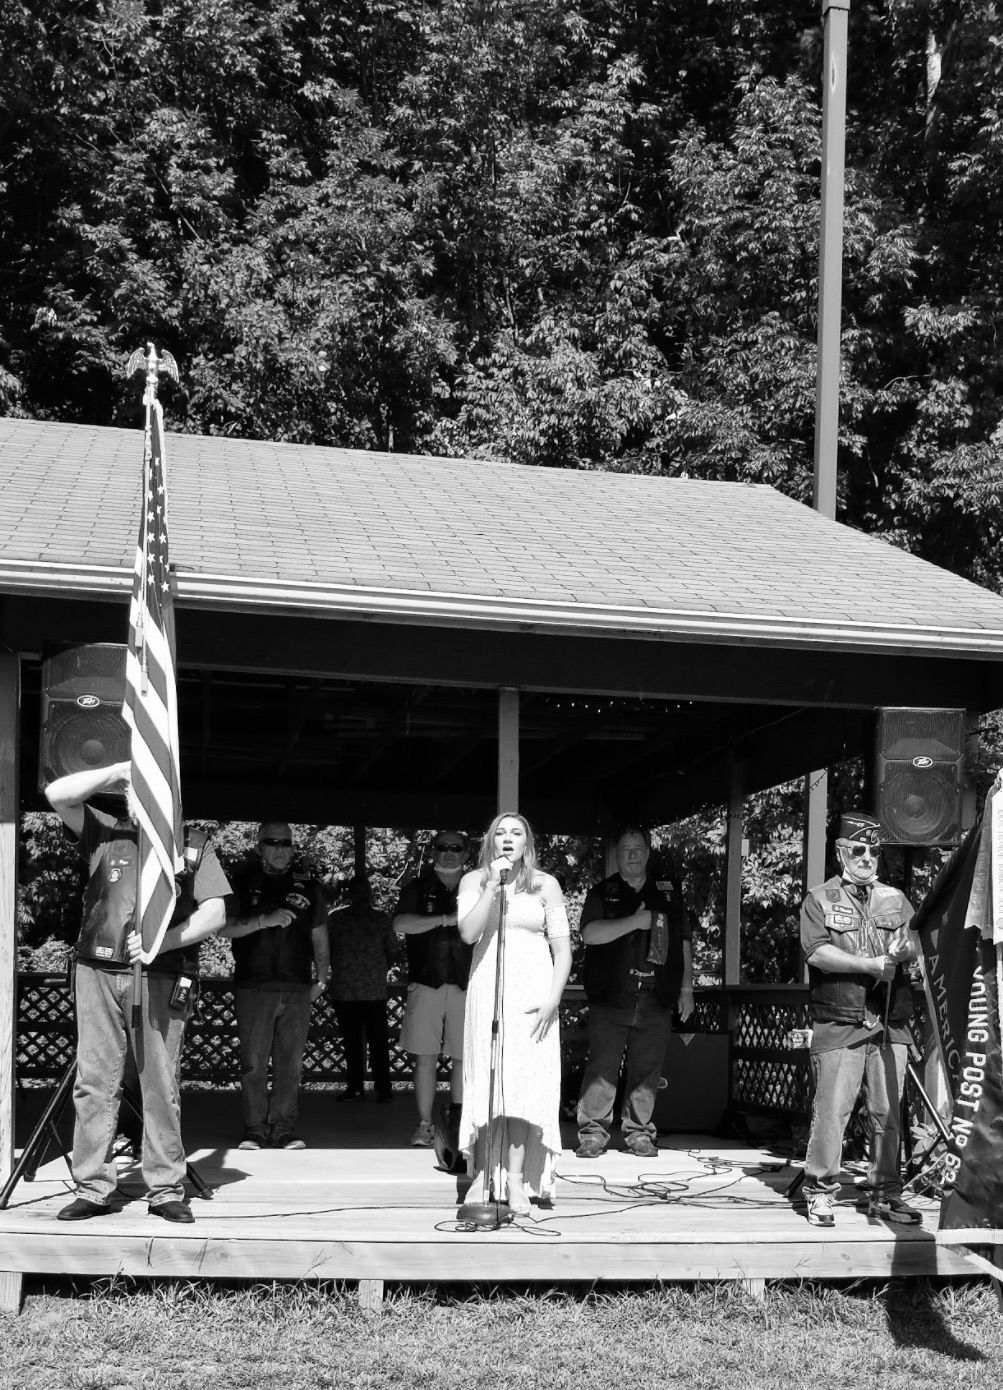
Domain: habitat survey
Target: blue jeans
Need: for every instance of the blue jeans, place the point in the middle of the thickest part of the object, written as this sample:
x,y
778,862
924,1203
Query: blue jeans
x,y
104,1038
642,1031
272,1024
837,1076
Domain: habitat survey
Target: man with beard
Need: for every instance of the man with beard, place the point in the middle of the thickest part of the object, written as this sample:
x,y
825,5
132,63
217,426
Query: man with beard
x,y
855,936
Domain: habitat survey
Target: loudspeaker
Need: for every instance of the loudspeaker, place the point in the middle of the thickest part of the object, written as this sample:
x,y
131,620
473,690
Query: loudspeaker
x,y
919,775
693,1095
83,689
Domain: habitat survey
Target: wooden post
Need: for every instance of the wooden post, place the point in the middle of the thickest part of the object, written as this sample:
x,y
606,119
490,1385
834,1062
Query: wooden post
x,y
731,965
835,18
359,836
816,796
10,699
508,750
371,1295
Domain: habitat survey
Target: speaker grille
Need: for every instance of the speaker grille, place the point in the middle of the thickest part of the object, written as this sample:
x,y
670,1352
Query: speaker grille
x,y
77,740
920,805
919,775
82,726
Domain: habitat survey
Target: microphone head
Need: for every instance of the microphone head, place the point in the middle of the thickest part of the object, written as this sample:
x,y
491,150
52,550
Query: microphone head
x,y
503,876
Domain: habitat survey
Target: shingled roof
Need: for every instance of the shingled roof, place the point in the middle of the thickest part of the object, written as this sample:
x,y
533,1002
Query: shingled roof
x,y
456,541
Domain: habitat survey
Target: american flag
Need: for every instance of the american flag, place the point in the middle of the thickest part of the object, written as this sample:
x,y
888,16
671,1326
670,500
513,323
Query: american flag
x,y
151,704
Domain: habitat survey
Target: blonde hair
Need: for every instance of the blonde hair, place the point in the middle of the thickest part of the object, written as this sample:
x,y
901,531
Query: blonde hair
x,y
526,880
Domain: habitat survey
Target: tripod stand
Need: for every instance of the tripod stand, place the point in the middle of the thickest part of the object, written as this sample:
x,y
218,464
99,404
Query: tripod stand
x,y
46,1132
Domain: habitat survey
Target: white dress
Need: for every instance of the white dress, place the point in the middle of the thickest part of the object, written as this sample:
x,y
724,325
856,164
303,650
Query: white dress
x,y
528,1076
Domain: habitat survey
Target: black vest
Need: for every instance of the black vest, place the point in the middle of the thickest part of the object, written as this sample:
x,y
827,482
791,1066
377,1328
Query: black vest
x,y
276,955
109,906
439,956
615,973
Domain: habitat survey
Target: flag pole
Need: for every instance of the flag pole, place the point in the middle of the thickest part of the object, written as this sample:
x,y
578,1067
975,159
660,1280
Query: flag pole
x,y
151,363
149,396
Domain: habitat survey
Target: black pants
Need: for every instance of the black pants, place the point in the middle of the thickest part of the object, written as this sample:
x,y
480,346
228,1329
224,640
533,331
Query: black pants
x,y
362,1021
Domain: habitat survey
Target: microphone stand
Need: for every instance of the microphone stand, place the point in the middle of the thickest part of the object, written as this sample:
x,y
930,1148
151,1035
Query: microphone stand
x,y
491,1212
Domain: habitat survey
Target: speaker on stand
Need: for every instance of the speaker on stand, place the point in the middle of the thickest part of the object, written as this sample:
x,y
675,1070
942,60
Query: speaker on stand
x,y
919,778
83,689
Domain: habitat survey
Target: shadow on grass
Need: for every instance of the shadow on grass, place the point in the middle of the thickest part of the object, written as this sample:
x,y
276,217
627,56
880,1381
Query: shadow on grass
x,y
915,1312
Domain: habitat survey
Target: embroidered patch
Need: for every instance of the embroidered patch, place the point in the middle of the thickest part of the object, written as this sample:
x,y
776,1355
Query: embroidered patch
x,y
833,895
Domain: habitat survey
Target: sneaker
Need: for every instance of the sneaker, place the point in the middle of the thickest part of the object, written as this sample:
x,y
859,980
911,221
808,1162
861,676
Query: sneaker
x,y
253,1140
820,1209
288,1141
424,1135
641,1146
590,1148
882,1207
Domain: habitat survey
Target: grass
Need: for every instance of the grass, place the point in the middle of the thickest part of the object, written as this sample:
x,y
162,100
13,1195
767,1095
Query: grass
x,y
194,1335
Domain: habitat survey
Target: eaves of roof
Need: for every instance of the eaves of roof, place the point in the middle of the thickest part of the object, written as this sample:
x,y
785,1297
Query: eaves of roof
x,y
225,593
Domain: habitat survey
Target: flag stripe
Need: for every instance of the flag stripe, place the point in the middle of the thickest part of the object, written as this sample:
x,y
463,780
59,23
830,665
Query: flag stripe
x,y
151,701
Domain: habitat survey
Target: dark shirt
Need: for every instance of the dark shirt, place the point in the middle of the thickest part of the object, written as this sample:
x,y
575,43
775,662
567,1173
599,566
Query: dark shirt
x,y
363,945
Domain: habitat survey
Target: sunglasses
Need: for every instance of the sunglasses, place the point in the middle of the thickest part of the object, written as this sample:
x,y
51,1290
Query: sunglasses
x,y
449,849
273,842
858,851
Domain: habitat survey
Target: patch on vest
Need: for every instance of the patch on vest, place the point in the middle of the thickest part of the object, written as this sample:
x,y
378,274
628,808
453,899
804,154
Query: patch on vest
x,y
834,895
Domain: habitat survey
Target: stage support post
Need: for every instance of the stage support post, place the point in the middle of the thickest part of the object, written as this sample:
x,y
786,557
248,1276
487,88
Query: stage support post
x,y
508,750
10,700
816,795
359,838
731,965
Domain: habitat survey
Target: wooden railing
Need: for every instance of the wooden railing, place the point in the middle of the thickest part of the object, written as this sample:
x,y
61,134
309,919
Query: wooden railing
x,y
767,1074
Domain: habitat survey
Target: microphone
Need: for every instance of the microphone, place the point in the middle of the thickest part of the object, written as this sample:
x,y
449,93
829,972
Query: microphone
x,y
503,876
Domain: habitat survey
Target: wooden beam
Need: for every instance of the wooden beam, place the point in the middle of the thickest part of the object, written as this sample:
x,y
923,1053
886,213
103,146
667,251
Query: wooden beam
x,y
441,656
10,702
731,965
508,750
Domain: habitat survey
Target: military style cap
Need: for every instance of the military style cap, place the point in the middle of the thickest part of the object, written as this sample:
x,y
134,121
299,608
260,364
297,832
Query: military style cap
x,y
860,828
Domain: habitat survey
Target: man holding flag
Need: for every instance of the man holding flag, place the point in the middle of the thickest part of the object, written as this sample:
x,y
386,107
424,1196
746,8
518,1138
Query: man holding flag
x,y
107,1028
145,879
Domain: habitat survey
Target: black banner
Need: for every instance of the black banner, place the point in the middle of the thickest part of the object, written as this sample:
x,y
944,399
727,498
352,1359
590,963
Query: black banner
x,y
954,925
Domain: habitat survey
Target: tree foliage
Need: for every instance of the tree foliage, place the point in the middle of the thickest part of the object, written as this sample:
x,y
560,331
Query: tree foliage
x,y
571,234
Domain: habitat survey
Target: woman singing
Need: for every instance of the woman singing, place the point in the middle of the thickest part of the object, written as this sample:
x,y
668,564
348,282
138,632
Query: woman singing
x,y
537,961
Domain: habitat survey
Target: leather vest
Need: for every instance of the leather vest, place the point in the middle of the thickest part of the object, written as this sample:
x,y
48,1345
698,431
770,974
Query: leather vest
x,y
109,905
860,931
614,973
440,956
276,955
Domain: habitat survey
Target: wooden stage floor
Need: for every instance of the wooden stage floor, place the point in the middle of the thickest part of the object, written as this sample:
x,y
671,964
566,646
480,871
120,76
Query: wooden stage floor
x,y
359,1204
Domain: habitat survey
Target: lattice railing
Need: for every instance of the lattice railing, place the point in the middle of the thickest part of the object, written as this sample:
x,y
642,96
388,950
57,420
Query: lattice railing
x,y
768,1074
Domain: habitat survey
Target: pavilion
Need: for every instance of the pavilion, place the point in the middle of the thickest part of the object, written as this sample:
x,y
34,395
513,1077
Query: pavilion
x,y
411,641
